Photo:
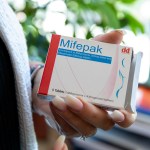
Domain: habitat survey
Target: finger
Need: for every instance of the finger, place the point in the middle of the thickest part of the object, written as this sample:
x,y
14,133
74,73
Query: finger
x,y
84,128
73,102
114,37
91,114
76,123
59,144
129,119
65,127
65,147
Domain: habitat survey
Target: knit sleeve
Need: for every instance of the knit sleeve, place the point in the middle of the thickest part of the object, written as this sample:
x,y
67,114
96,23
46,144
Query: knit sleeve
x,y
12,34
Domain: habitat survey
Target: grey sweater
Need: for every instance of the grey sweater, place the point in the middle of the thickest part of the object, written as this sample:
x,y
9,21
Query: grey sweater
x,y
12,34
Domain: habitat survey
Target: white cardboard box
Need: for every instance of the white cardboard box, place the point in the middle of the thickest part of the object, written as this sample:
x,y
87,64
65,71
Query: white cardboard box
x,y
102,73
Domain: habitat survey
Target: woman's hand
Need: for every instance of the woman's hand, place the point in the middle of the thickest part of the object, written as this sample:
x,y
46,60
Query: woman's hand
x,y
77,117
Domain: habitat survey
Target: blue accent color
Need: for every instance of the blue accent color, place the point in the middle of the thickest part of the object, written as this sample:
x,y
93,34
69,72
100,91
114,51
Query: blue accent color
x,y
123,62
83,55
122,78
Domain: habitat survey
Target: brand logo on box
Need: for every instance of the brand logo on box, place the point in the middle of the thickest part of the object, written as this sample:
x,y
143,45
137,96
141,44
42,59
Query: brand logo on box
x,y
126,50
85,48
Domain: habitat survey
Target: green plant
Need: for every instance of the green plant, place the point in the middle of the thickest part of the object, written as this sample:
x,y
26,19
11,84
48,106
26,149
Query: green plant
x,y
104,14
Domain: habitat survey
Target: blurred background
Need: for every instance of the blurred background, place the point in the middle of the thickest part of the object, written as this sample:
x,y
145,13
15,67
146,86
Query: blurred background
x,y
85,19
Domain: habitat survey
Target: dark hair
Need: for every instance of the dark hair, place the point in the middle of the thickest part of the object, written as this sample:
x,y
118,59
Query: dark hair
x,y
9,123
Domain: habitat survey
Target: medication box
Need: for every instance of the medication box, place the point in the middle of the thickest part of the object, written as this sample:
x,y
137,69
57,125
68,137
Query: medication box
x,y
102,73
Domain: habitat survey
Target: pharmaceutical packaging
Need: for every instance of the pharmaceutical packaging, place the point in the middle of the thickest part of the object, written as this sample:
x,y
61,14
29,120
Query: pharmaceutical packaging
x,y
102,73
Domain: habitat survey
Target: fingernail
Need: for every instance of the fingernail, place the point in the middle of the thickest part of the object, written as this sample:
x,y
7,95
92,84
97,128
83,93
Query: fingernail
x,y
73,102
117,116
61,139
59,103
59,143
123,32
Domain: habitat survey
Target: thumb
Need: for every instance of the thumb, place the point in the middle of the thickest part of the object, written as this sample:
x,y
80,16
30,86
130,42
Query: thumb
x,y
114,37
60,143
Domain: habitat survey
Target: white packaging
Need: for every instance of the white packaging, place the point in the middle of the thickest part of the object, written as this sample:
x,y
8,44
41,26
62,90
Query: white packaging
x,y
102,73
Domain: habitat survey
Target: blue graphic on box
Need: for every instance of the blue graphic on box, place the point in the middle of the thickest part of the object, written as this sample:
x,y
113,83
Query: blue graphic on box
x,y
83,55
122,79
123,62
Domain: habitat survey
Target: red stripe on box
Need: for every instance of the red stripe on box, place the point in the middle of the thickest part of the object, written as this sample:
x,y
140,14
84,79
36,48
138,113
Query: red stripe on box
x,y
50,61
